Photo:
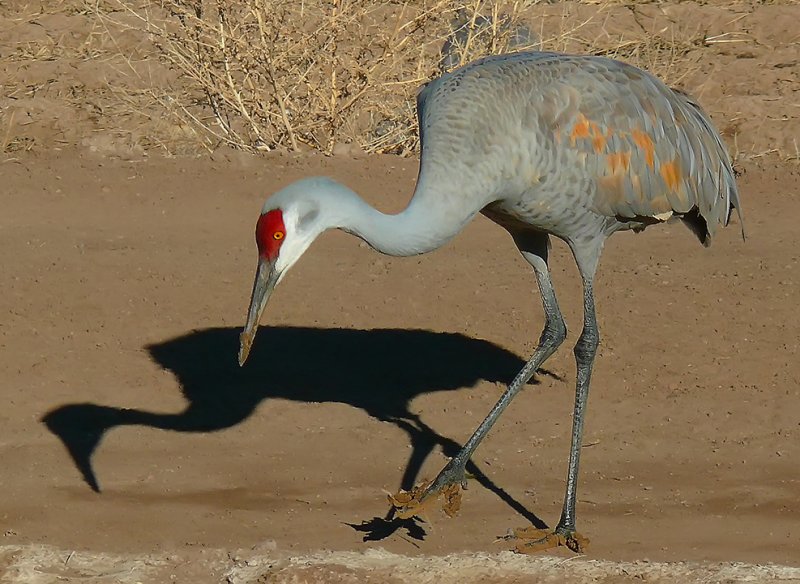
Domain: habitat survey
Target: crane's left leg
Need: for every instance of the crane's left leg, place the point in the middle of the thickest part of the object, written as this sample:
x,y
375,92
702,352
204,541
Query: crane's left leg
x,y
530,540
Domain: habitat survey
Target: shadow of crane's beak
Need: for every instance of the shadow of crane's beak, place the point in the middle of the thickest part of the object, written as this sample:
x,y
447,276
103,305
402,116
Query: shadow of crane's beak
x,y
266,279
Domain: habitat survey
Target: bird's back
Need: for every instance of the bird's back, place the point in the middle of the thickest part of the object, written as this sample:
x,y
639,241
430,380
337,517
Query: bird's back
x,y
568,135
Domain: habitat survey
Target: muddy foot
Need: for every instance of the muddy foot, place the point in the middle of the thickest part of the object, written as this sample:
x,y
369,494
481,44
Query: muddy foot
x,y
531,540
417,501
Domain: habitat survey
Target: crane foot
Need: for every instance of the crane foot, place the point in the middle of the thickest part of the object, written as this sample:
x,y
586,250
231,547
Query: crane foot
x,y
531,540
415,502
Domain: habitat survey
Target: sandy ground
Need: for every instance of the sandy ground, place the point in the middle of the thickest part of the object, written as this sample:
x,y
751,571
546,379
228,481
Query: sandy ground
x,y
125,289
134,449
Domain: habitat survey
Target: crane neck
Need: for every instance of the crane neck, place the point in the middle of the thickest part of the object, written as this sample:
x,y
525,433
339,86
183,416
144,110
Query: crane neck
x,y
426,224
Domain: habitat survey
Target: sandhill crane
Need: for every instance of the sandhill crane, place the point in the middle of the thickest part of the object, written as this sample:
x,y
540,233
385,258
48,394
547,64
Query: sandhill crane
x,y
578,147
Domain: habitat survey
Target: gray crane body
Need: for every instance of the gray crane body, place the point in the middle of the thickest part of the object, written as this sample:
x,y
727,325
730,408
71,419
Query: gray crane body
x,y
575,146
578,147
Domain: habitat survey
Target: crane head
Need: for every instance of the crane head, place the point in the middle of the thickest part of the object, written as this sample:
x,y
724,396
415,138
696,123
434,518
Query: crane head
x,y
290,220
270,237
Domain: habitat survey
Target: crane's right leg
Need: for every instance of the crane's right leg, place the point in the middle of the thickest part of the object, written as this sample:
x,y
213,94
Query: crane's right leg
x,y
534,247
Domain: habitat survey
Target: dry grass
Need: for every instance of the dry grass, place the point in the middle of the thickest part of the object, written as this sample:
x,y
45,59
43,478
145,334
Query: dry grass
x,y
180,76
316,74
270,74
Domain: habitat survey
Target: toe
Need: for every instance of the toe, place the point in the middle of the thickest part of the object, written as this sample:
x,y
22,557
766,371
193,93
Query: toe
x,y
452,500
576,542
549,541
407,504
530,532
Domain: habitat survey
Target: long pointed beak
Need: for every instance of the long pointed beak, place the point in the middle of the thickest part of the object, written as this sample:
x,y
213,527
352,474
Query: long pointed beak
x,y
266,278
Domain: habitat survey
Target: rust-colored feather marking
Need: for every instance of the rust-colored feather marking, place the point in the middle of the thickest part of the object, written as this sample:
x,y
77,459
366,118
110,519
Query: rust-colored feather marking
x,y
586,128
599,140
618,162
671,172
580,129
645,142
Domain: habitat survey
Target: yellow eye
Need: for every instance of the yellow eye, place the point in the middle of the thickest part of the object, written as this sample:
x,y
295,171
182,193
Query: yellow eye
x,y
278,235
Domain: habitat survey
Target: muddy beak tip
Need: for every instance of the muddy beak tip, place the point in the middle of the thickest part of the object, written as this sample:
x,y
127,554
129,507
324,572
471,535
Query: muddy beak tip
x,y
245,342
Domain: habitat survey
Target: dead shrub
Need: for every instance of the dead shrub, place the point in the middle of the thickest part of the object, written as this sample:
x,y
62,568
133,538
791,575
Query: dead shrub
x,y
312,74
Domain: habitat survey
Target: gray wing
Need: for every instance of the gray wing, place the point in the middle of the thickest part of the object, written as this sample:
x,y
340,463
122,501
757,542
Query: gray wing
x,y
652,150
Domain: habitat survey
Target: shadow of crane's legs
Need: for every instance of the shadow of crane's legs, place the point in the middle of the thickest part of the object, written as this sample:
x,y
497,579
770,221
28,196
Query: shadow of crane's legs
x,y
423,440
450,448
422,444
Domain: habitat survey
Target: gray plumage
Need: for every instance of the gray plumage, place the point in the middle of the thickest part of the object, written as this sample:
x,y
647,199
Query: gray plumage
x,y
574,145
578,147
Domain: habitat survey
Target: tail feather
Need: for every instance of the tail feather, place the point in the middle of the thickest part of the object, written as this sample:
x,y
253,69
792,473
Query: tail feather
x,y
726,178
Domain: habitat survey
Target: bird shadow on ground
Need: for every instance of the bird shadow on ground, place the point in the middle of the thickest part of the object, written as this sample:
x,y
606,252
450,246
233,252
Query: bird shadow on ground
x,y
379,371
